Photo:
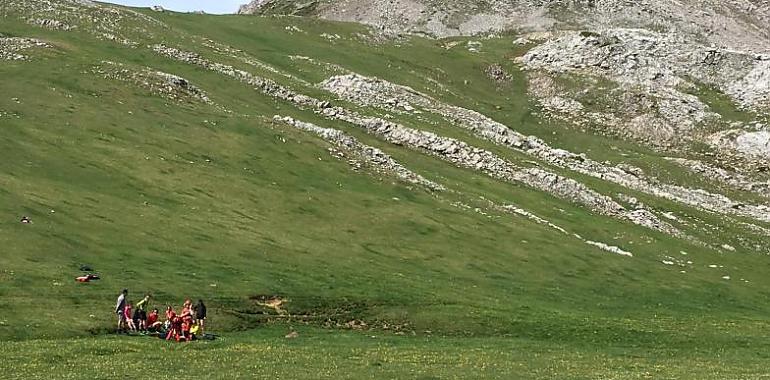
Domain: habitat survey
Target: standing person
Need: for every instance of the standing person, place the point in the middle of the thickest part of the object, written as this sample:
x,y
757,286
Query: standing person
x,y
186,319
120,310
187,306
200,316
141,312
129,319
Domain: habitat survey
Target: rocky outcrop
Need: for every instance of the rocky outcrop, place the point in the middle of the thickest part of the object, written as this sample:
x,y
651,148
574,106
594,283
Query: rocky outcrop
x,y
452,150
11,47
167,85
374,158
636,84
49,24
736,24
657,63
457,152
102,20
497,73
252,7
519,211
267,86
463,155
610,248
375,92
728,177
749,143
645,70
753,89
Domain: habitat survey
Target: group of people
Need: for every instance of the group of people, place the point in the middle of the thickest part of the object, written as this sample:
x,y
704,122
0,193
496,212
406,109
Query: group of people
x,y
189,324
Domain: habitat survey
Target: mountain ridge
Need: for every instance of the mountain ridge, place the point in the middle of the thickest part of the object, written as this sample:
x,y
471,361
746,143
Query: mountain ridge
x,y
734,24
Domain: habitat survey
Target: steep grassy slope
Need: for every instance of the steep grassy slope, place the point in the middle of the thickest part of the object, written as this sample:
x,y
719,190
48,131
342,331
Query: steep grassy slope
x,y
187,199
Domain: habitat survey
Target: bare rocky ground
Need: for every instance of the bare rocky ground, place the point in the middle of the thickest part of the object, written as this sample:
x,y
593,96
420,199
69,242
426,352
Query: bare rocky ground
x,y
650,76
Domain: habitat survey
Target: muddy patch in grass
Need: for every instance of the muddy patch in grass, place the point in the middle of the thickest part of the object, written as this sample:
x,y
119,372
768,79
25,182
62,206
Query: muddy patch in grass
x,y
328,313
273,302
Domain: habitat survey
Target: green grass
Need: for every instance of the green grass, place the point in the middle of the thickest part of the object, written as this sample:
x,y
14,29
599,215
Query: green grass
x,y
344,355
185,200
724,106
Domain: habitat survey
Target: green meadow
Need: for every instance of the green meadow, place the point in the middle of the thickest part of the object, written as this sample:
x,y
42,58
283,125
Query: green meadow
x,y
380,278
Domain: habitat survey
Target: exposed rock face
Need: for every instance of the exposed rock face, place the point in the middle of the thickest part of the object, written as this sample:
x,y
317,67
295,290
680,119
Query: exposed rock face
x,y
636,62
399,16
264,85
659,63
519,211
638,85
754,143
750,143
50,24
639,63
739,24
252,7
753,89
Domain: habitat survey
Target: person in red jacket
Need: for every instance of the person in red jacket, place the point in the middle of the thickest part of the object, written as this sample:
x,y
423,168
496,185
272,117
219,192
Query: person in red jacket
x,y
187,319
153,324
169,313
186,325
175,332
172,324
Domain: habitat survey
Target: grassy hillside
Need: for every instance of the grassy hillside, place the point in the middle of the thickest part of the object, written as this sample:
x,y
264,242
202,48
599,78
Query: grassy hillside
x,y
382,278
